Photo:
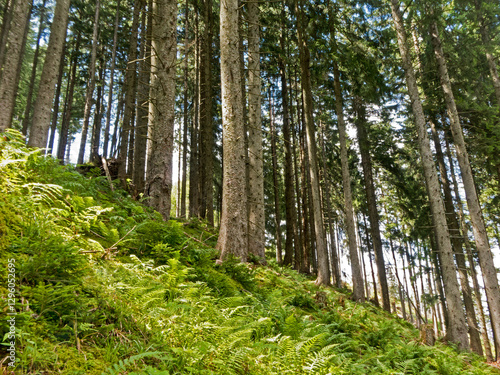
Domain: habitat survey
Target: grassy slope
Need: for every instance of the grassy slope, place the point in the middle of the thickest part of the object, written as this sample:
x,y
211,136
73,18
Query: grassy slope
x,y
107,287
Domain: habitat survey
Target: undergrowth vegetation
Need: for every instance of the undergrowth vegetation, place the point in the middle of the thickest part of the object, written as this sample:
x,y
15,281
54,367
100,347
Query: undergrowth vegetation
x,y
105,286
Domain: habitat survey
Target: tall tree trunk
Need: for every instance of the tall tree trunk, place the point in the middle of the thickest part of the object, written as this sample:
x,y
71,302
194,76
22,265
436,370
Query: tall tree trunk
x,y
290,205
233,236
472,262
130,94
90,85
457,332
357,279
111,81
298,253
256,215
323,277
8,78
456,241
54,56
141,134
163,66
274,156
55,114
371,199
34,66
333,247
206,168
185,115
482,244
194,170
63,135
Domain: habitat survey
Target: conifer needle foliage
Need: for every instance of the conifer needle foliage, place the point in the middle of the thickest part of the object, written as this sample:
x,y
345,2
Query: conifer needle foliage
x,y
107,287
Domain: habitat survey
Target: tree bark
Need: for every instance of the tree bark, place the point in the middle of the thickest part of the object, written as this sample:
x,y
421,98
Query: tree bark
x,y
256,215
90,86
43,104
233,236
6,24
482,244
457,332
8,78
163,66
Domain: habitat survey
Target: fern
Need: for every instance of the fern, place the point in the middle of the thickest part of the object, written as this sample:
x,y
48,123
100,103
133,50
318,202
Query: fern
x,y
121,366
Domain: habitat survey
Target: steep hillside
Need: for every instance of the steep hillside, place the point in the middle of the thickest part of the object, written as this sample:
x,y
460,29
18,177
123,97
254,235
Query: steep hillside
x,y
104,286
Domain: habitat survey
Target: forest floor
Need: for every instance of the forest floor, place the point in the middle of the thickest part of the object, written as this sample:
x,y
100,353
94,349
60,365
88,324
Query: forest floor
x,y
105,286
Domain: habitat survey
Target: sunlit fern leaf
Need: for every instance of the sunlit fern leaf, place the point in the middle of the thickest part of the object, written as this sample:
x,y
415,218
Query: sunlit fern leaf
x,y
312,344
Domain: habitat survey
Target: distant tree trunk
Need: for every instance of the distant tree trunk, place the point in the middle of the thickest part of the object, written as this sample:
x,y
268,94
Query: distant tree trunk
x,y
90,85
371,199
298,253
141,135
55,114
27,110
54,56
185,116
63,136
111,81
118,120
256,215
8,78
206,168
274,157
290,206
130,95
482,244
369,248
163,66
194,171
357,279
457,332
233,237
323,277
97,125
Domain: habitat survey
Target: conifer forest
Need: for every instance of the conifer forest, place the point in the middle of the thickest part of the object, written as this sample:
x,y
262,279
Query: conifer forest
x,y
250,187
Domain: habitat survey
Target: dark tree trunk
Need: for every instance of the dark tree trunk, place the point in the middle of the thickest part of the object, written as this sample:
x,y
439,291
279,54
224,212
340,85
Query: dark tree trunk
x,y
111,82
371,200
63,137
130,96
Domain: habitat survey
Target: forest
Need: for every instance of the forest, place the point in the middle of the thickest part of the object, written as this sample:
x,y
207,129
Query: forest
x,y
250,187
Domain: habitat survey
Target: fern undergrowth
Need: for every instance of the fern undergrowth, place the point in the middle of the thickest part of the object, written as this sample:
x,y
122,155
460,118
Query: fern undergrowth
x,y
105,286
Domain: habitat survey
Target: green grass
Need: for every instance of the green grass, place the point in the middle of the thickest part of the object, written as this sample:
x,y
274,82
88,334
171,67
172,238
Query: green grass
x,y
107,287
